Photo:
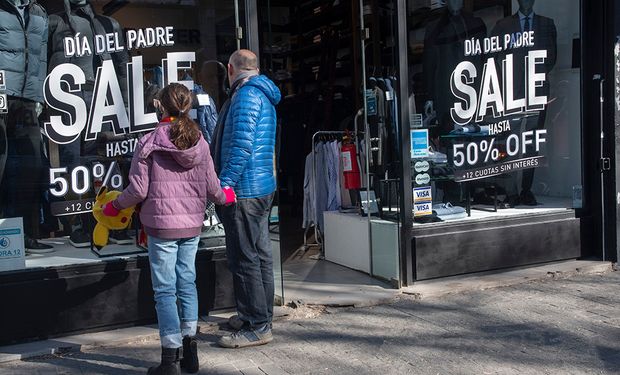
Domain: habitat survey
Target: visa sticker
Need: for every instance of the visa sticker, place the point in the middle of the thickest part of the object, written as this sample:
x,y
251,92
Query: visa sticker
x,y
422,194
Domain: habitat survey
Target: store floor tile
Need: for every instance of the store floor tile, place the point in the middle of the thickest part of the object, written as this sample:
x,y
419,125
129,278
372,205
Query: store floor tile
x,y
319,282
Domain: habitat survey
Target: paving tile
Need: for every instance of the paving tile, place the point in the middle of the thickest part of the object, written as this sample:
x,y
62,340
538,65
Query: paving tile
x,y
560,326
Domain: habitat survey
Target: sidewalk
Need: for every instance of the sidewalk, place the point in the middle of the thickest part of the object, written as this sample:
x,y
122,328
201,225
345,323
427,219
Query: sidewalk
x,y
555,326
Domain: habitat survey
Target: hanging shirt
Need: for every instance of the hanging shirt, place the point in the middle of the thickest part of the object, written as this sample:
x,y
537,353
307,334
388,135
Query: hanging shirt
x,y
331,174
526,21
309,218
335,151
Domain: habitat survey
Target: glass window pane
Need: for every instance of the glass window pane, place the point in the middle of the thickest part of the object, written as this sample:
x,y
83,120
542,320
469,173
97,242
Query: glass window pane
x,y
492,110
80,96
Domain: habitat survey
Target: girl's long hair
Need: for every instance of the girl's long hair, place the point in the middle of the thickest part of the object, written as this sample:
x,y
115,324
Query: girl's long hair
x,y
177,101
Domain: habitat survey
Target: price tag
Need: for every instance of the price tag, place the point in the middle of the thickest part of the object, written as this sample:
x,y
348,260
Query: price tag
x,y
371,103
2,81
203,99
4,104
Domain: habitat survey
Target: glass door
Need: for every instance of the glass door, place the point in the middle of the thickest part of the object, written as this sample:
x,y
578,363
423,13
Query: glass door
x,y
380,198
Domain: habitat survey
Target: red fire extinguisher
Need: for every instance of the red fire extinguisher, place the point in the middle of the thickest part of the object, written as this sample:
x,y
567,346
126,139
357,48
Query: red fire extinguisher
x,y
350,168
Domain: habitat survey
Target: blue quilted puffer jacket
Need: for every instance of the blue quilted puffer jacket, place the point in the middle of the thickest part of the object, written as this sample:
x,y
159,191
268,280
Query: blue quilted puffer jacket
x,y
249,139
23,49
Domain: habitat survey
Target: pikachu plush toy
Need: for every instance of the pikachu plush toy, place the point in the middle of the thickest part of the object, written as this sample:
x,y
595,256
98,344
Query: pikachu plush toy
x,y
107,223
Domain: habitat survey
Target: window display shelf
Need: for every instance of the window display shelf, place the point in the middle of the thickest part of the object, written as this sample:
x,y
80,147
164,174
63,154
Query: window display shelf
x,y
546,205
65,254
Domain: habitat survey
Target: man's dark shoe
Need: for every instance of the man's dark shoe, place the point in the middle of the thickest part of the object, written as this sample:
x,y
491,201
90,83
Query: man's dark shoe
x,y
79,238
35,247
512,201
189,362
245,338
169,363
527,198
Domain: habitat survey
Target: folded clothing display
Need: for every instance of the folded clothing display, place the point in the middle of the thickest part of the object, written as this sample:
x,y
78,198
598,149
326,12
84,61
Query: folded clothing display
x,y
470,129
446,211
436,156
427,219
445,171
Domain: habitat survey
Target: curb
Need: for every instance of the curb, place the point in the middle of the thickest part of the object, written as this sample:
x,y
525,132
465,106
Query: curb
x,y
116,337
490,280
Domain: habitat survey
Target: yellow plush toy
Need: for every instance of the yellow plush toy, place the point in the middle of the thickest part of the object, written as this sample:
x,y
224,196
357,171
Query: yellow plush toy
x,y
107,223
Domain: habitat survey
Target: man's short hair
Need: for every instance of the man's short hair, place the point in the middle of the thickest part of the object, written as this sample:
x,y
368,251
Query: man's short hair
x,y
243,59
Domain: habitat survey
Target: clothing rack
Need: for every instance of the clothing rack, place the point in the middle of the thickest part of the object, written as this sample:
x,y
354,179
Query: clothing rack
x,y
318,136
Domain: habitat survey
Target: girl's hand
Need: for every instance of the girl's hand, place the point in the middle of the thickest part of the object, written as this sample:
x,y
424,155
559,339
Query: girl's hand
x,y
108,209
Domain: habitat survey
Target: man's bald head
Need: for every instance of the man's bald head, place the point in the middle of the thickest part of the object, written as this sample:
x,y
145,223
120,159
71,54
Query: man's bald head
x,y
240,61
243,59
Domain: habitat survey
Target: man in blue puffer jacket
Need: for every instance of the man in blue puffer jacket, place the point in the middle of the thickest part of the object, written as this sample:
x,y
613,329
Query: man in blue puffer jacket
x,y
243,147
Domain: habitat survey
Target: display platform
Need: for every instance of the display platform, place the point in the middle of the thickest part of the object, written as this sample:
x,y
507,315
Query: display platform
x,y
490,241
65,254
485,212
72,290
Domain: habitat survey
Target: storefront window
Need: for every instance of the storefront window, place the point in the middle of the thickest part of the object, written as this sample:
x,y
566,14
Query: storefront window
x,y
77,82
495,108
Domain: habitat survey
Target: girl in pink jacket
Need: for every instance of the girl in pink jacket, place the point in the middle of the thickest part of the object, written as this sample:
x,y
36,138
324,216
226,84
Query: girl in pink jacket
x,y
172,176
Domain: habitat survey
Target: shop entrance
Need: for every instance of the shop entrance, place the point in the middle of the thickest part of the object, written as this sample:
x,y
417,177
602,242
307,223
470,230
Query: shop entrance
x,y
339,169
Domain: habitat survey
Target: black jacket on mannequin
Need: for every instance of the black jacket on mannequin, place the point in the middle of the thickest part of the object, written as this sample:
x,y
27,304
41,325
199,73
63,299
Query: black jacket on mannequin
x,y
444,49
545,38
84,20
23,49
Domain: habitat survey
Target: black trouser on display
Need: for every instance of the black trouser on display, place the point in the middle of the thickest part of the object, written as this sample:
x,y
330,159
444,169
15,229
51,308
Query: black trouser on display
x,y
70,156
533,123
249,252
3,147
22,182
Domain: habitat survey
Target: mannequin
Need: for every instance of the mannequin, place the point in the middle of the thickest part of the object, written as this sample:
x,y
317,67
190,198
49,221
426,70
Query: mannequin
x,y
454,6
444,41
545,38
24,24
526,7
80,17
443,51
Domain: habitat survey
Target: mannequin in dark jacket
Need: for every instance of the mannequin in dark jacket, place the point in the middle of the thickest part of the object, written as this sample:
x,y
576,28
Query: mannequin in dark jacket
x,y
443,51
23,58
545,38
80,17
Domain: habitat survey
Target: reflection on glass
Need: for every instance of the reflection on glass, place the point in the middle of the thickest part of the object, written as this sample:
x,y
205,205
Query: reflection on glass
x,y
80,97
491,82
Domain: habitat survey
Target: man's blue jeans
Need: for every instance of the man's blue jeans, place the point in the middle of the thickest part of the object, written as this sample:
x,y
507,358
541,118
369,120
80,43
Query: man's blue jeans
x,y
173,273
250,259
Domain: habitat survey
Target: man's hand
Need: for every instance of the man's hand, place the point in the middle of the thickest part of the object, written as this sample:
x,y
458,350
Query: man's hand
x,y
231,197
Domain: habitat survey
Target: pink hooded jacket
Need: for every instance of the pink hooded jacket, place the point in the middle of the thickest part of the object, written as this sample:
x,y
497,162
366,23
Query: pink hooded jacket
x,y
173,185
